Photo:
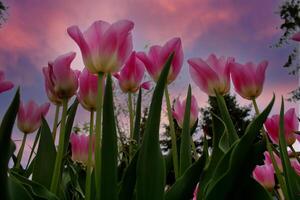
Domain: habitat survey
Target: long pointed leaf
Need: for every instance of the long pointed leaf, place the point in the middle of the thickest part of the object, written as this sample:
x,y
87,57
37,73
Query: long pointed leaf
x,y
5,138
109,146
150,166
137,123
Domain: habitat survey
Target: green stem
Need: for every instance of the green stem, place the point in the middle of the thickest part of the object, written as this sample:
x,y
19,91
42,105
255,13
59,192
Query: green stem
x,y
54,129
60,150
294,151
173,135
269,148
131,116
98,134
20,154
89,166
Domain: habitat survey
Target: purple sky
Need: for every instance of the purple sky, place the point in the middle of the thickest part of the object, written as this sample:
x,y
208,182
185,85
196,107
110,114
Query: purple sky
x,y
35,33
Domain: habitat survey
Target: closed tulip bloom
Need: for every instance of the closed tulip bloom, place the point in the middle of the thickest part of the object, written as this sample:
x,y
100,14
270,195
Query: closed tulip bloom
x,y
158,56
30,116
60,80
80,148
290,126
264,175
212,75
88,88
296,37
179,110
268,160
4,85
104,47
248,79
131,76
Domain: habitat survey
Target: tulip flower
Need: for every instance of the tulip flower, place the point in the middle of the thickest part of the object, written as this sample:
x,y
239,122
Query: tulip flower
x,y
157,57
88,88
296,166
104,47
268,160
179,110
248,79
4,85
296,37
212,75
196,192
290,126
131,75
264,175
30,116
60,80
80,148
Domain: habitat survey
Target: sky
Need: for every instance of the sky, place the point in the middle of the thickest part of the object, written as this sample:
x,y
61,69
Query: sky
x,y
35,33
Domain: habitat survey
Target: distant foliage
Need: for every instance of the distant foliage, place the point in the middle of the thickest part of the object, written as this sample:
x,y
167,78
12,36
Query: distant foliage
x,y
289,13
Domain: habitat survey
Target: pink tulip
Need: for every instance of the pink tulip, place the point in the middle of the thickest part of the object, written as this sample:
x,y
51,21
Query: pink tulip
x,y
268,160
296,166
157,57
196,192
264,175
296,37
60,80
30,116
248,79
132,74
104,47
211,75
4,85
88,89
179,109
290,126
80,148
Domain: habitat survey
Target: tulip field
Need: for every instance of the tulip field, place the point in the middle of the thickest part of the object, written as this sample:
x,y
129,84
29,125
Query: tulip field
x,y
64,164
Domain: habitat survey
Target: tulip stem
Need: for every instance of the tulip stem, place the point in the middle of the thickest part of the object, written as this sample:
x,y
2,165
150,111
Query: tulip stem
x,y
20,153
172,132
294,151
269,148
60,150
131,116
55,122
98,130
89,165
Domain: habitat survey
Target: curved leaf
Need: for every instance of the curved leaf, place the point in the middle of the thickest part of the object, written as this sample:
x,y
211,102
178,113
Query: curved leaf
x,y
150,166
17,191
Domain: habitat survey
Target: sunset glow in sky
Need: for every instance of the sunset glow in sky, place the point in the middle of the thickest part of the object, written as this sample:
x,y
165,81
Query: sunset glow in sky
x,y
35,33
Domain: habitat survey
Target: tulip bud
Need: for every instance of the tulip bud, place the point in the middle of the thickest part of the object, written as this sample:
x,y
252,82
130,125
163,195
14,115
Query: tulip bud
x,y
60,80
268,160
212,75
248,79
179,110
30,116
104,47
290,126
80,148
131,75
158,56
4,85
88,90
264,175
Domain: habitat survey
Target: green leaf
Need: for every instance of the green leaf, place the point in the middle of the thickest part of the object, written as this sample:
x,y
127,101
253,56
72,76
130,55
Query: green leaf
x,y
45,157
129,179
36,139
218,129
37,190
109,151
6,128
291,178
231,132
186,184
137,123
150,166
17,191
69,124
185,146
238,163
